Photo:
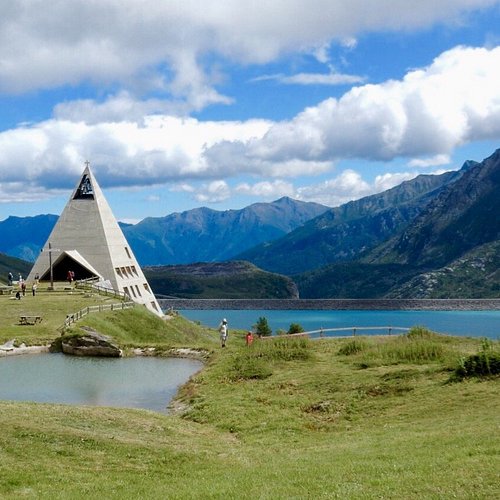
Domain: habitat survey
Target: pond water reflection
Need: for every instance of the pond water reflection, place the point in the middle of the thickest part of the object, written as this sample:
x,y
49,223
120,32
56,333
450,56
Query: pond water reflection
x,y
138,382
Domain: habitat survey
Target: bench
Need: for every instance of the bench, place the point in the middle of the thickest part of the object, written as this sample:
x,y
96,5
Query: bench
x,y
6,290
29,320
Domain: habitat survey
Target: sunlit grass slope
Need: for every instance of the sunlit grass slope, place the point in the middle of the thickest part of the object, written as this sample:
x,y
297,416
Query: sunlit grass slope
x,y
284,418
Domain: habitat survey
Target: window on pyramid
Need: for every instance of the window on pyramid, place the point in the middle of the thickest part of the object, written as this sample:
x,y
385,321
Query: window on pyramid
x,y
85,190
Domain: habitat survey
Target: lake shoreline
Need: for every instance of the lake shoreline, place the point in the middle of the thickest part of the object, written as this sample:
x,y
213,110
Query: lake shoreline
x,y
334,304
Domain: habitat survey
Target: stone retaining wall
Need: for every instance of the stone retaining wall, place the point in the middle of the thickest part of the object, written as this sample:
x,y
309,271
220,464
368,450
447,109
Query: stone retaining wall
x,y
335,304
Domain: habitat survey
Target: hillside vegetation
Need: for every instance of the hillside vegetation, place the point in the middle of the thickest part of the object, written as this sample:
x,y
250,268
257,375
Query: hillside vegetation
x,y
448,250
284,418
12,265
226,280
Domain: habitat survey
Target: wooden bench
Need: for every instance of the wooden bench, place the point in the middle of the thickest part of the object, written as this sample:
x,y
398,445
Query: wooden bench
x,y
6,290
29,320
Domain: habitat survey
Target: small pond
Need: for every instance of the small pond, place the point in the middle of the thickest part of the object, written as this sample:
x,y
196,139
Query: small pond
x,y
138,382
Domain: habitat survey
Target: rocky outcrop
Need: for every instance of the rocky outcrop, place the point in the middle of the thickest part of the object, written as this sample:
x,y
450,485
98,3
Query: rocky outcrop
x,y
91,343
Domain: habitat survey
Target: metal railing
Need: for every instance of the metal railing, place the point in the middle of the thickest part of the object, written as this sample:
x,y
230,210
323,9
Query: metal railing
x,y
387,330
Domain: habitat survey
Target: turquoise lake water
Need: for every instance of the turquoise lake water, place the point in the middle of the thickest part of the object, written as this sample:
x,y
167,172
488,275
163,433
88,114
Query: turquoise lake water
x,y
140,382
463,323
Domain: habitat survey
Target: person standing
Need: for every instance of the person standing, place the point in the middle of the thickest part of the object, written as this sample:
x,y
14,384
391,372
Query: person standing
x,y
223,332
249,338
11,278
33,288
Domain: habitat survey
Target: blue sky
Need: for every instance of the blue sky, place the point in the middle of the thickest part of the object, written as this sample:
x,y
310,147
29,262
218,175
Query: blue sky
x,y
181,104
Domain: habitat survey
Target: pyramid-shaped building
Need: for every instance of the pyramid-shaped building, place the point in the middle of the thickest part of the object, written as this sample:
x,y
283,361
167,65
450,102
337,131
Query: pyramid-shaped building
x,y
88,241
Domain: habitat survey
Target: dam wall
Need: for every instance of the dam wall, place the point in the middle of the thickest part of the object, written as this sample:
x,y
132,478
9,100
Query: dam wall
x,y
334,304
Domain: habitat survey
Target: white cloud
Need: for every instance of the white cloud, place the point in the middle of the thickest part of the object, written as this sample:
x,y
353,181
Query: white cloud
x,y
390,180
423,117
430,111
51,154
331,78
182,187
432,161
162,46
347,186
275,189
213,192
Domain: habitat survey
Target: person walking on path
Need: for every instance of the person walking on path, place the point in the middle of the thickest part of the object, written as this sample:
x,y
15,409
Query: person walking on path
x,y
223,332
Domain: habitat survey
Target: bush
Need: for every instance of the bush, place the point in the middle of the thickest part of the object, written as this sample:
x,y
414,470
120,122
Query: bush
x,y
247,367
295,328
483,364
352,347
262,328
256,362
414,351
420,332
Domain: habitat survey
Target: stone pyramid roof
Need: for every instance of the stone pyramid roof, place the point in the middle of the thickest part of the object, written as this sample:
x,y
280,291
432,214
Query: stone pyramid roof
x,y
87,232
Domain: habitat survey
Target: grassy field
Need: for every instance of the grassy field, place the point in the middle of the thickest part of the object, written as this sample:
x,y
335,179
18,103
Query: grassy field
x,y
285,418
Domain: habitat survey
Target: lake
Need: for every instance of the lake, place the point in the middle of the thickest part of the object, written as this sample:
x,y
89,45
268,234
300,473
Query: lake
x,y
463,323
138,382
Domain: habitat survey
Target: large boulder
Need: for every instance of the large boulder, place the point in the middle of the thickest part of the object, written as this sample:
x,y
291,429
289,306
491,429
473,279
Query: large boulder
x,y
91,343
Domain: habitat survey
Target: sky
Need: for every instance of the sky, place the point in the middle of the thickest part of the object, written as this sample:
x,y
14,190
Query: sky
x,y
223,103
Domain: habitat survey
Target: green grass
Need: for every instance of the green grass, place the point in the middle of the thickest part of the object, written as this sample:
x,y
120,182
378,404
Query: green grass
x,y
283,418
138,328
52,306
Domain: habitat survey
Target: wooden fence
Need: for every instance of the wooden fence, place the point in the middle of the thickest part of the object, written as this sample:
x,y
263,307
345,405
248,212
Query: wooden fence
x,y
90,285
71,318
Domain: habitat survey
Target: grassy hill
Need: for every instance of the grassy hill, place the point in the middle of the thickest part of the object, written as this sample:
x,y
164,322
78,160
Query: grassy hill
x,y
13,265
219,280
285,418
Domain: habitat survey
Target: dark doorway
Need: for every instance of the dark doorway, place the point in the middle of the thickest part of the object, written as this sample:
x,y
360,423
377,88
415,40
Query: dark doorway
x,y
65,264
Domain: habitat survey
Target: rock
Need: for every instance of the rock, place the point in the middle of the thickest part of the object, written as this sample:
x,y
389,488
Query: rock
x,y
91,343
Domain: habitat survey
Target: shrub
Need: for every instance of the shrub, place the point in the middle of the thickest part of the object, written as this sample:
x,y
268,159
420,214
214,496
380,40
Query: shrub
x,y
414,351
352,347
406,349
262,328
484,363
282,349
287,349
295,328
420,332
247,367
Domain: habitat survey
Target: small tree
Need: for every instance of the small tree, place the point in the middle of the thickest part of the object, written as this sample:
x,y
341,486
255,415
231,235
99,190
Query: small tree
x,y
262,328
295,328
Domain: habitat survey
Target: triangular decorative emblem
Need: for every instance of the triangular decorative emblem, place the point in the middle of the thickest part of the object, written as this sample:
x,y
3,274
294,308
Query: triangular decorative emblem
x,y
85,190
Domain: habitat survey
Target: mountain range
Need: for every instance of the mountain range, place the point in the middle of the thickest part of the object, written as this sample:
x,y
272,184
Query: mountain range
x,y
449,249
198,235
432,236
206,235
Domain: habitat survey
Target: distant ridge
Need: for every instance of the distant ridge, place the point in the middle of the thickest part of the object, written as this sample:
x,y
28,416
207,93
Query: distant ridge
x,y
206,235
23,237
12,265
345,233
450,249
